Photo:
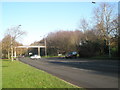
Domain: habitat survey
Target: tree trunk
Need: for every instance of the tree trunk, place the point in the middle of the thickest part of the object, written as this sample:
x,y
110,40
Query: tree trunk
x,y
8,54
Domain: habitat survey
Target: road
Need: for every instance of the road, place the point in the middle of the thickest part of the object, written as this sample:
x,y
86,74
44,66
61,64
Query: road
x,y
83,73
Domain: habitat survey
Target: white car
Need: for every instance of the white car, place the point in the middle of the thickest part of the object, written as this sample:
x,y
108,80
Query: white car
x,y
35,57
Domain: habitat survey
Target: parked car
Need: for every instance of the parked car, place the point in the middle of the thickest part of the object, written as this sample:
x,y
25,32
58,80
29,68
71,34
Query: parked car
x,y
71,55
35,57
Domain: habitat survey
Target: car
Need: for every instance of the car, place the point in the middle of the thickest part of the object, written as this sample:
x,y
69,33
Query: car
x,y
71,55
35,57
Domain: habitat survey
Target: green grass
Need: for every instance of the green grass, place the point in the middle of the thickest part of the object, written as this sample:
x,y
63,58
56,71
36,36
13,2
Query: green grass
x,y
0,74
19,75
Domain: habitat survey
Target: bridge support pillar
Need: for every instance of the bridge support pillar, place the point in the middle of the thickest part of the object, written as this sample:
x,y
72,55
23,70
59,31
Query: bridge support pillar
x,y
38,51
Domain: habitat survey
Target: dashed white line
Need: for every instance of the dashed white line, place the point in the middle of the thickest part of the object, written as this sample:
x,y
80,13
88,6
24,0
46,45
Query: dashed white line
x,y
82,69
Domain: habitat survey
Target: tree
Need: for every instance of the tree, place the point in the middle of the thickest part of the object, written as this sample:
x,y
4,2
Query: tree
x,y
14,34
0,49
104,17
58,42
6,46
84,27
63,41
89,48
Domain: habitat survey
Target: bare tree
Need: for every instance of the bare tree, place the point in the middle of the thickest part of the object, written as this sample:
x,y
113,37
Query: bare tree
x,y
84,27
63,41
104,17
15,33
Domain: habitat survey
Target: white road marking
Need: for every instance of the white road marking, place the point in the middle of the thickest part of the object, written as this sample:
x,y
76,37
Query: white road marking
x,y
82,69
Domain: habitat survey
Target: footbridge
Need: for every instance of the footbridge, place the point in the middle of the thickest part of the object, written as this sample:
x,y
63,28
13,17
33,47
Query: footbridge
x,y
28,47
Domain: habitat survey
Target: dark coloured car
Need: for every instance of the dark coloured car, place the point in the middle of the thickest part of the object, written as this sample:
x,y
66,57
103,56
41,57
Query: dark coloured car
x,y
71,55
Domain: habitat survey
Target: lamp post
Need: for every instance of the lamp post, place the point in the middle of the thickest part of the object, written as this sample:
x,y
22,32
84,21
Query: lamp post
x,y
108,36
93,2
45,47
45,43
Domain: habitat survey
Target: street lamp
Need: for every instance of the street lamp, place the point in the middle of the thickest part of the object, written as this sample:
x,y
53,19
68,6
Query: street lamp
x,y
93,2
108,36
45,43
45,48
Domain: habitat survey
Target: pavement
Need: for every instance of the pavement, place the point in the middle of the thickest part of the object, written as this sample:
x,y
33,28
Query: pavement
x,y
82,73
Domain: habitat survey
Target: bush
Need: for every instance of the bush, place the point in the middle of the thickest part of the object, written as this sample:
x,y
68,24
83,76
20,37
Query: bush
x,y
114,51
89,49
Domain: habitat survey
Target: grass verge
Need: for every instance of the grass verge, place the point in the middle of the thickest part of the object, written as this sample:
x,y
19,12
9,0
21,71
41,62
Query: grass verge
x,y
19,75
0,74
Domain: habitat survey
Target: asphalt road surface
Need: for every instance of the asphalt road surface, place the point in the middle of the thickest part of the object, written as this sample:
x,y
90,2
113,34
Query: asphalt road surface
x,y
83,73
